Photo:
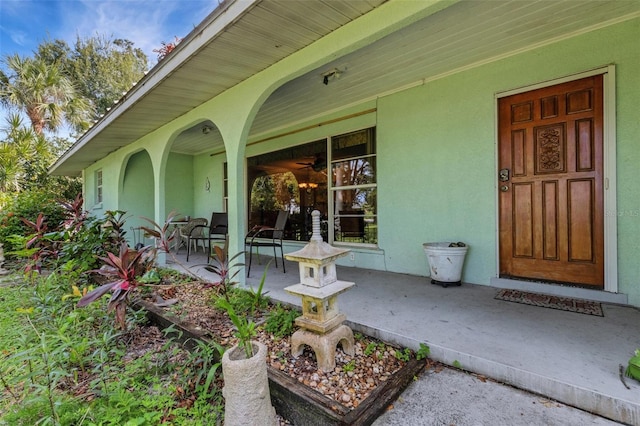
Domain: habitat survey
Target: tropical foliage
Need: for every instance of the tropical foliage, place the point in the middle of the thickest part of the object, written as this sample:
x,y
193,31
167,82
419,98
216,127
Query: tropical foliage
x,y
102,68
27,205
124,268
25,155
43,92
60,365
57,89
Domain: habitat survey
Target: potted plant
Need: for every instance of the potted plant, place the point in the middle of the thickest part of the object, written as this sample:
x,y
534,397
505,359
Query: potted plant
x,y
246,383
244,365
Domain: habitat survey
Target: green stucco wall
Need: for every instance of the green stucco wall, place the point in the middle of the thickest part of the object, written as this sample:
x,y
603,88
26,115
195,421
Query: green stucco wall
x,y
207,201
179,185
437,154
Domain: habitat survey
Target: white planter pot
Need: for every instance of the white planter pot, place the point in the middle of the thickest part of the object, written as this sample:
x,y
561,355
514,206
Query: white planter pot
x,y
445,263
246,388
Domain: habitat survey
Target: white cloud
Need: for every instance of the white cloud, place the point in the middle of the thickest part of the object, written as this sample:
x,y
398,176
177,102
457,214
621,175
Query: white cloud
x,y
147,23
19,37
140,22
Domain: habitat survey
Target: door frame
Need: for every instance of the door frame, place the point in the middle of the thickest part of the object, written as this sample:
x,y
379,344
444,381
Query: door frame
x,y
609,166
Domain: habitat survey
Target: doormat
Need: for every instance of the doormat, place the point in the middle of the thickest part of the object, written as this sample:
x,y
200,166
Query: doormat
x,y
580,306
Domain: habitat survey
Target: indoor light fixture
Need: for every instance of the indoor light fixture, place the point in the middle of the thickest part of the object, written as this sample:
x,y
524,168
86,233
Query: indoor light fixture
x,y
310,185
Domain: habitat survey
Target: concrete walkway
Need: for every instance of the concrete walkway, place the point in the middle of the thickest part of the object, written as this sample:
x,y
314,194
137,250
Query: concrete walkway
x,y
453,397
569,357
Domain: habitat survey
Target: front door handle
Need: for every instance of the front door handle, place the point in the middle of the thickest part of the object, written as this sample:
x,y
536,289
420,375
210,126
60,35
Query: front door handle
x,y
503,175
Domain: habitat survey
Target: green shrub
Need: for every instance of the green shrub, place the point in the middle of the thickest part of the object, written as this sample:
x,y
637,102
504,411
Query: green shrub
x,y
28,204
403,355
423,352
241,301
370,349
84,247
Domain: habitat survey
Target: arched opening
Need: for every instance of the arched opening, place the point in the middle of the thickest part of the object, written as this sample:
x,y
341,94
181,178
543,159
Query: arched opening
x,y
137,197
194,173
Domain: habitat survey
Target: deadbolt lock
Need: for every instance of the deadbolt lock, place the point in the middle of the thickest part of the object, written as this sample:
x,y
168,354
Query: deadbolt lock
x,y
504,188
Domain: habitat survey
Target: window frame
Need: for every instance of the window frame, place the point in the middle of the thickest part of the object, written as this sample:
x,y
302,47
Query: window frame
x,y
333,189
98,177
225,187
370,155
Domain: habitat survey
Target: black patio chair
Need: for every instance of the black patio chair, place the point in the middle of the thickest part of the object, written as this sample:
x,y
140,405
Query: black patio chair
x,y
267,236
352,225
216,231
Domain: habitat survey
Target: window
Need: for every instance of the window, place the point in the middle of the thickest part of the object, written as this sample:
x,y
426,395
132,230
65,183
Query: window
x,y
98,179
293,179
354,188
300,179
225,188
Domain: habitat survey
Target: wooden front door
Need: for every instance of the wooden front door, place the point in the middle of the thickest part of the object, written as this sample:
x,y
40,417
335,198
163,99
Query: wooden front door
x,y
550,183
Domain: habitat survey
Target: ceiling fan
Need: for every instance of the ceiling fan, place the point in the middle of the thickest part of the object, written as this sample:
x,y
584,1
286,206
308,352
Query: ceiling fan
x,y
318,165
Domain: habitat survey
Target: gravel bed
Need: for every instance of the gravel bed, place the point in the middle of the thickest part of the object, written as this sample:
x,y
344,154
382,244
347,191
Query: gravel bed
x,y
353,379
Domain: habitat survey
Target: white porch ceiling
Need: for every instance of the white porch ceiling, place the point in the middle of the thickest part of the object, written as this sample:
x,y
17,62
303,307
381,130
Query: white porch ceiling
x,y
463,35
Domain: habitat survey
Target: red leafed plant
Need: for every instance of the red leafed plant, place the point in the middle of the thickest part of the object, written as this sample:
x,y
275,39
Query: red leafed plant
x,y
167,47
76,216
164,234
40,228
222,267
125,268
42,247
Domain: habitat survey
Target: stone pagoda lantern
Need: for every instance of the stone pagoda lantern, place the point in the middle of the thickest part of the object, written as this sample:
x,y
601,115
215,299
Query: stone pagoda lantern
x,y
321,322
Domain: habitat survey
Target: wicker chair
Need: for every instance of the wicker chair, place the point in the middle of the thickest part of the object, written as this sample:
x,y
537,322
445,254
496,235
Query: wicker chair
x,y
189,231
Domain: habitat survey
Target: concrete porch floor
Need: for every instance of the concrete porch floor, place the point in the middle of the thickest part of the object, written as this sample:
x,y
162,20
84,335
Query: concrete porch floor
x,y
570,357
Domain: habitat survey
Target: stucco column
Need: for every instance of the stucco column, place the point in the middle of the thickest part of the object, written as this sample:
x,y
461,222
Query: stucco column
x,y
235,147
234,114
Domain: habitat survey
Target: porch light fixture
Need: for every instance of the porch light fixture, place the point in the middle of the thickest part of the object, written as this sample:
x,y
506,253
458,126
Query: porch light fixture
x,y
206,130
331,75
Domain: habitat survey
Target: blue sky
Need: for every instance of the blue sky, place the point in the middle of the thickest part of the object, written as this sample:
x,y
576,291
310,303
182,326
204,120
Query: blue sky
x,y
24,24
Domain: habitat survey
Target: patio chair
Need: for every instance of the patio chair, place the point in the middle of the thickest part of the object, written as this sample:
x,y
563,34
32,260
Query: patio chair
x,y
216,231
352,224
188,232
267,236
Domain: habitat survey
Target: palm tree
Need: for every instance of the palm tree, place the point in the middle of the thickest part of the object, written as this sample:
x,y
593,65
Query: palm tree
x,y
43,93
24,156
